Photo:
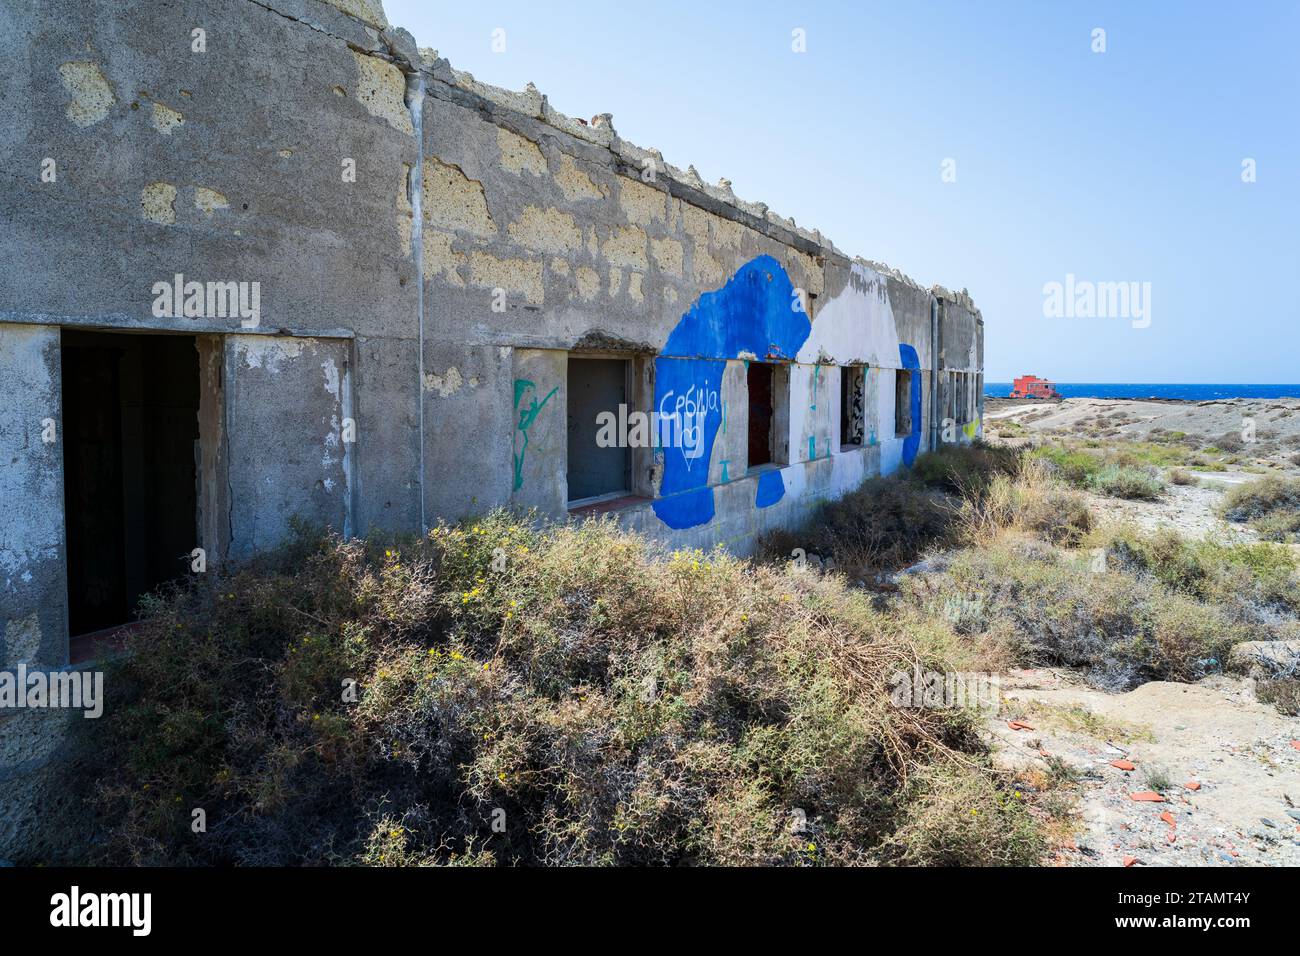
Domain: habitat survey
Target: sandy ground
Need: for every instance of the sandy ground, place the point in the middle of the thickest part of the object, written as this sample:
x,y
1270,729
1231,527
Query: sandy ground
x,y
1191,510
1246,810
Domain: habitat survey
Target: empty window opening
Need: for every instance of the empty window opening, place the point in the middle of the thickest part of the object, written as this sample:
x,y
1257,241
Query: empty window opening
x,y
902,403
130,433
762,417
598,467
853,406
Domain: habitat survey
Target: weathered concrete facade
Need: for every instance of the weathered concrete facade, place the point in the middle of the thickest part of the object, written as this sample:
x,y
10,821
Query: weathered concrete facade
x,y
430,257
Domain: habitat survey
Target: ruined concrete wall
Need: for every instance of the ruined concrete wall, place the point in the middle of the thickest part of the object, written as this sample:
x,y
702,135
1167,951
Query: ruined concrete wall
x,y
137,153
428,252
232,164
33,609
961,335
536,236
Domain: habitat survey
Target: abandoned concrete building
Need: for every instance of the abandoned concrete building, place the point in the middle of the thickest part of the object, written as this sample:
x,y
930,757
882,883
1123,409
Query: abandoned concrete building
x,y
265,258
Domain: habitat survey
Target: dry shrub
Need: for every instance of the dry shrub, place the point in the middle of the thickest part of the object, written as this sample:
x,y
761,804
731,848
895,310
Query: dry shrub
x,y
1034,501
1119,628
965,469
1271,506
884,525
591,701
1283,694
957,817
1257,584
1120,481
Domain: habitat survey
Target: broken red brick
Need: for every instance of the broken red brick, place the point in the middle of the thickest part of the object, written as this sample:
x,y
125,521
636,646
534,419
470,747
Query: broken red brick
x,y
1146,796
1123,765
1130,860
1172,836
1192,785
1169,818
1295,744
1018,725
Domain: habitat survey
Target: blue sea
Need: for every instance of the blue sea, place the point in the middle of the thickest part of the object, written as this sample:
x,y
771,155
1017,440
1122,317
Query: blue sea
x,y
1188,392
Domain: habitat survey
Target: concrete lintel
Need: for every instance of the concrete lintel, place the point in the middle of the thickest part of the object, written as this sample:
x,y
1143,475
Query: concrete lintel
x,y
119,322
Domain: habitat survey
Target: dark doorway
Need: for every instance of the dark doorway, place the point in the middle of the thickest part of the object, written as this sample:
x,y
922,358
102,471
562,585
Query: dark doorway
x,y
130,432
597,386
760,414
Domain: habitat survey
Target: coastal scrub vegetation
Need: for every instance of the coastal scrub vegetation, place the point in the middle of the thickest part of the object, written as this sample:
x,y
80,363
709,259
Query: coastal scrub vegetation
x,y
1127,472
588,700
509,692
1271,506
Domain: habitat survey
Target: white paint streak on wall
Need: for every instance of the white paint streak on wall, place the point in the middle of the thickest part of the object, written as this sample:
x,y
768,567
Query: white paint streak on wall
x,y
268,353
332,437
857,326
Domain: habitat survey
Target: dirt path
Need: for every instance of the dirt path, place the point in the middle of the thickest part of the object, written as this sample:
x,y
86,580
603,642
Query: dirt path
x,y
1191,510
1246,809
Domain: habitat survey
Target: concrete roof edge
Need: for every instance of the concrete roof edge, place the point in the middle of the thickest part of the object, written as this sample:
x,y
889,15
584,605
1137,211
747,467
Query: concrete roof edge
x,y
600,132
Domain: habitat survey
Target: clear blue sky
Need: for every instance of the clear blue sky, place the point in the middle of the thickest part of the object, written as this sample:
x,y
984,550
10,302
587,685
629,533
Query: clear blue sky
x,y
1121,166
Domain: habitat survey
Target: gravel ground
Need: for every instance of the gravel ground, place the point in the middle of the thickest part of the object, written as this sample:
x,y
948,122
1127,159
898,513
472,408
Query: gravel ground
x,y
1246,810
1243,756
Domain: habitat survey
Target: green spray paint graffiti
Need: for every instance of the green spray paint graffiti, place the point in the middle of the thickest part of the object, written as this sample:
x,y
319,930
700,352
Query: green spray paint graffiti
x,y
527,416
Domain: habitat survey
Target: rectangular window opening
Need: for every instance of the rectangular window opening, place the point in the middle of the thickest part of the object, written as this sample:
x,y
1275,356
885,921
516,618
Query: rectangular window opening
x,y
131,451
599,463
902,403
853,407
762,414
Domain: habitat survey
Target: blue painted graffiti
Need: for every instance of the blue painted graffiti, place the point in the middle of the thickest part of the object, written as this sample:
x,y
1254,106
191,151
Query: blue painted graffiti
x,y
688,389
771,489
912,444
750,315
